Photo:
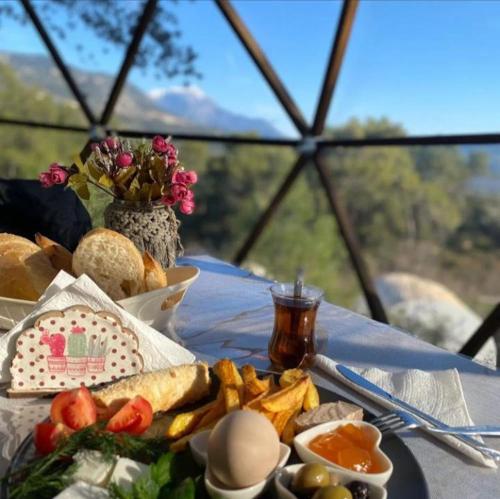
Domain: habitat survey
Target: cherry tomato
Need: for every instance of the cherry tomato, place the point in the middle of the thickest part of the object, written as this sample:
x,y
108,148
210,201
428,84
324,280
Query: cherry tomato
x,y
74,408
135,417
48,435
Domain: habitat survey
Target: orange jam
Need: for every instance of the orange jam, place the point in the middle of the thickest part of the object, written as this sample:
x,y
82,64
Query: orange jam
x,y
349,446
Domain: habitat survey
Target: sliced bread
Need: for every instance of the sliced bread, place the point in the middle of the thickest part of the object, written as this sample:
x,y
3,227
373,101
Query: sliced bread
x,y
112,261
154,275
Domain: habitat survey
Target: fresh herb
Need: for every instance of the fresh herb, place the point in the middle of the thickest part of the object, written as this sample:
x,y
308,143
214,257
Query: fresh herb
x,y
173,476
46,476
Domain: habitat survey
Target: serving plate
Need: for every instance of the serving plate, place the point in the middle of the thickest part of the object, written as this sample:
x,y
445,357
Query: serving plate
x,y
407,480
155,308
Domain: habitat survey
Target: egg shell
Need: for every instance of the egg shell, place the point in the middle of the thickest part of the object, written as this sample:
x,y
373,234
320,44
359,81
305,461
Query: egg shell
x,y
243,449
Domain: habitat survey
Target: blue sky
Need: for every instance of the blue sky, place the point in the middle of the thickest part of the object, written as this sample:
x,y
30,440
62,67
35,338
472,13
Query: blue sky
x,y
430,65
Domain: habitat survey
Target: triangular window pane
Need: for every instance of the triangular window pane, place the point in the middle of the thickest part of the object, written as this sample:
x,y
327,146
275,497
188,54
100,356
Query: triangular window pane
x,y
230,98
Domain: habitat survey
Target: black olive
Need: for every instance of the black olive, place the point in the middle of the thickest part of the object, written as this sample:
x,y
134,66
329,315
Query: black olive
x,y
359,490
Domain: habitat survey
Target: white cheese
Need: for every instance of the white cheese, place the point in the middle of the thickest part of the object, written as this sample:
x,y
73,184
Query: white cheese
x,y
126,472
82,490
92,468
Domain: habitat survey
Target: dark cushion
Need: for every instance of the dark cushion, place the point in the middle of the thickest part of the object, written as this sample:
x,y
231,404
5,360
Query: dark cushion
x,y
27,208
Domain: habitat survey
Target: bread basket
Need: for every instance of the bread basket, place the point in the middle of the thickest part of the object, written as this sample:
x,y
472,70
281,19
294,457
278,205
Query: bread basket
x,y
155,308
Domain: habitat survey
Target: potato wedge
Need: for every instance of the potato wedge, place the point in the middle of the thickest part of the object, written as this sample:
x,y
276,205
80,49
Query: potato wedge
x,y
254,404
253,385
232,398
290,376
289,398
289,431
214,413
185,422
311,399
281,419
180,445
229,376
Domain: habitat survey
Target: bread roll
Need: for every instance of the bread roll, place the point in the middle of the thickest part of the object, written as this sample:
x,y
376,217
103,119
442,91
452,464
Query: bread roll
x,y
112,261
164,389
154,275
59,256
25,269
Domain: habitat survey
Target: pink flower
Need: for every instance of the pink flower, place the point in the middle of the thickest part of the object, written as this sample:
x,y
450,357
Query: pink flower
x,y
190,177
124,159
179,191
178,177
58,174
168,200
112,142
187,207
160,144
45,179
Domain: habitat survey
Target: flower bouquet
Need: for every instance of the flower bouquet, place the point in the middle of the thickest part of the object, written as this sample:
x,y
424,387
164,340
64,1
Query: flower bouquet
x,y
145,180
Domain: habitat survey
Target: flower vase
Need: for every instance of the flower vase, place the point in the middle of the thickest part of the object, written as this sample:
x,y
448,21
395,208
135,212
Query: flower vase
x,y
153,227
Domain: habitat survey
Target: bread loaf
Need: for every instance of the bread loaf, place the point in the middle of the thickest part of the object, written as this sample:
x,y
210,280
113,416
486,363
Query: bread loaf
x,y
25,270
154,275
112,261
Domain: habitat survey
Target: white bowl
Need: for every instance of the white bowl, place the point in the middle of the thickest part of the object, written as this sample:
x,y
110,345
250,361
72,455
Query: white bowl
x,y
155,308
302,440
283,479
216,490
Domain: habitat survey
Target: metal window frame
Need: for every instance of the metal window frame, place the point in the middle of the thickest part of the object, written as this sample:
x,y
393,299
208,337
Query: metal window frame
x,y
310,145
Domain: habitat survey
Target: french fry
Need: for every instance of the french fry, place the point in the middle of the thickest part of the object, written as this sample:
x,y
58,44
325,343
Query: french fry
x,y
311,399
268,414
180,445
291,397
281,419
289,431
214,413
185,422
290,376
253,385
254,404
232,383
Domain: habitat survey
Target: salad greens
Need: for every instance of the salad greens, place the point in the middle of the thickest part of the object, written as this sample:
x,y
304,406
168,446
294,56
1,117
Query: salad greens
x,y
170,476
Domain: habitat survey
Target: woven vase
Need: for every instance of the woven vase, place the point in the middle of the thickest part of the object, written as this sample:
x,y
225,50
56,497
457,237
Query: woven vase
x,y
151,226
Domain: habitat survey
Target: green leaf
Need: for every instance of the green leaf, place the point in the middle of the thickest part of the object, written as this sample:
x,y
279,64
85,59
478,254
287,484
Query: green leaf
x,y
161,470
83,191
78,163
106,181
93,170
185,490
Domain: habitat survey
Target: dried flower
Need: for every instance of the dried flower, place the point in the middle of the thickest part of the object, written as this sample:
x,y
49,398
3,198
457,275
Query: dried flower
x,y
124,160
58,174
159,144
45,179
187,207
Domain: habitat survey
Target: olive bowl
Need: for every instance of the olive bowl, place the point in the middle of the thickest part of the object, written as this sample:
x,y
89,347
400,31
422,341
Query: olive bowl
x,y
302,440
283,480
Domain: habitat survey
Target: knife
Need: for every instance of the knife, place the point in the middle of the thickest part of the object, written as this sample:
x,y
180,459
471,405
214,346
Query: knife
x,y
371,387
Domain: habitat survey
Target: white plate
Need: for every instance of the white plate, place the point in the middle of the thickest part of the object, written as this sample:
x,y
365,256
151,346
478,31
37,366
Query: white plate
x,y
283,479
155,308
301,442
216,490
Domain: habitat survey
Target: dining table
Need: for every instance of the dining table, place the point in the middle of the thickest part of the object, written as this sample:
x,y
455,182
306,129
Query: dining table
x,y
228,313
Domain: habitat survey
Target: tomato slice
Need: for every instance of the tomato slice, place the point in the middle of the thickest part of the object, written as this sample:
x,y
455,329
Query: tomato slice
x,y
135,417
48,435
74,408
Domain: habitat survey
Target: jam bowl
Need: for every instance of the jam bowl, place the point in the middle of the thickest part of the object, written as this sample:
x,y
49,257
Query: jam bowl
x,y
380,474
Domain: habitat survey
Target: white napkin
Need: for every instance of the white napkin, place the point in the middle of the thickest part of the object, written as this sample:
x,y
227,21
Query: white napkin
x,y
157,350
437,393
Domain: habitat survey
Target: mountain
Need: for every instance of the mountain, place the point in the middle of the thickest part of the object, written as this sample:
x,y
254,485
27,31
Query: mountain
x,y
179,109
193,104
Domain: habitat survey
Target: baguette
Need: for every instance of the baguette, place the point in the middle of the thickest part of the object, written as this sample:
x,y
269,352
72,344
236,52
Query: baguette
x,y
59,256
154,275
112,261
164,389
26,271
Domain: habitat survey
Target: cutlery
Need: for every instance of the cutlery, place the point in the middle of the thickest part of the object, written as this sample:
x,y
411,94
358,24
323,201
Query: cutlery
x,y
376,390
400,420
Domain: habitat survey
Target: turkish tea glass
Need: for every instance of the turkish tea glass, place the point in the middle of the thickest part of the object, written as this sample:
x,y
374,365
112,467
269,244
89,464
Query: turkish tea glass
x,y
293,342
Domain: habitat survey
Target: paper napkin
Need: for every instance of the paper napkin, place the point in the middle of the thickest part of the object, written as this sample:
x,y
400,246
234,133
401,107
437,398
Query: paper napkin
x,y
157,350
437,393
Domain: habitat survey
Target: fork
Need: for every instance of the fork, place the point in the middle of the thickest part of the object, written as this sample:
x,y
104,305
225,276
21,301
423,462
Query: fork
x,y
401,420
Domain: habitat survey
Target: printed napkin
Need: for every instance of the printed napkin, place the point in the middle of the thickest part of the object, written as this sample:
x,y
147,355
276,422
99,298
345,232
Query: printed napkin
x,y
437,393
20,415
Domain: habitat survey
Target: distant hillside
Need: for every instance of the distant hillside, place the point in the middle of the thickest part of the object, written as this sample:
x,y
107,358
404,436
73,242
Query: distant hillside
x,y
172,111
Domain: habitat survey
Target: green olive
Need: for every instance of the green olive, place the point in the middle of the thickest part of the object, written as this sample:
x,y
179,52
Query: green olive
x,y
309,478
332,492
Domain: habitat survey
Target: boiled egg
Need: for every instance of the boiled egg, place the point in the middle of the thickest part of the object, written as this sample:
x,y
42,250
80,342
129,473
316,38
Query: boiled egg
x,y
243,449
